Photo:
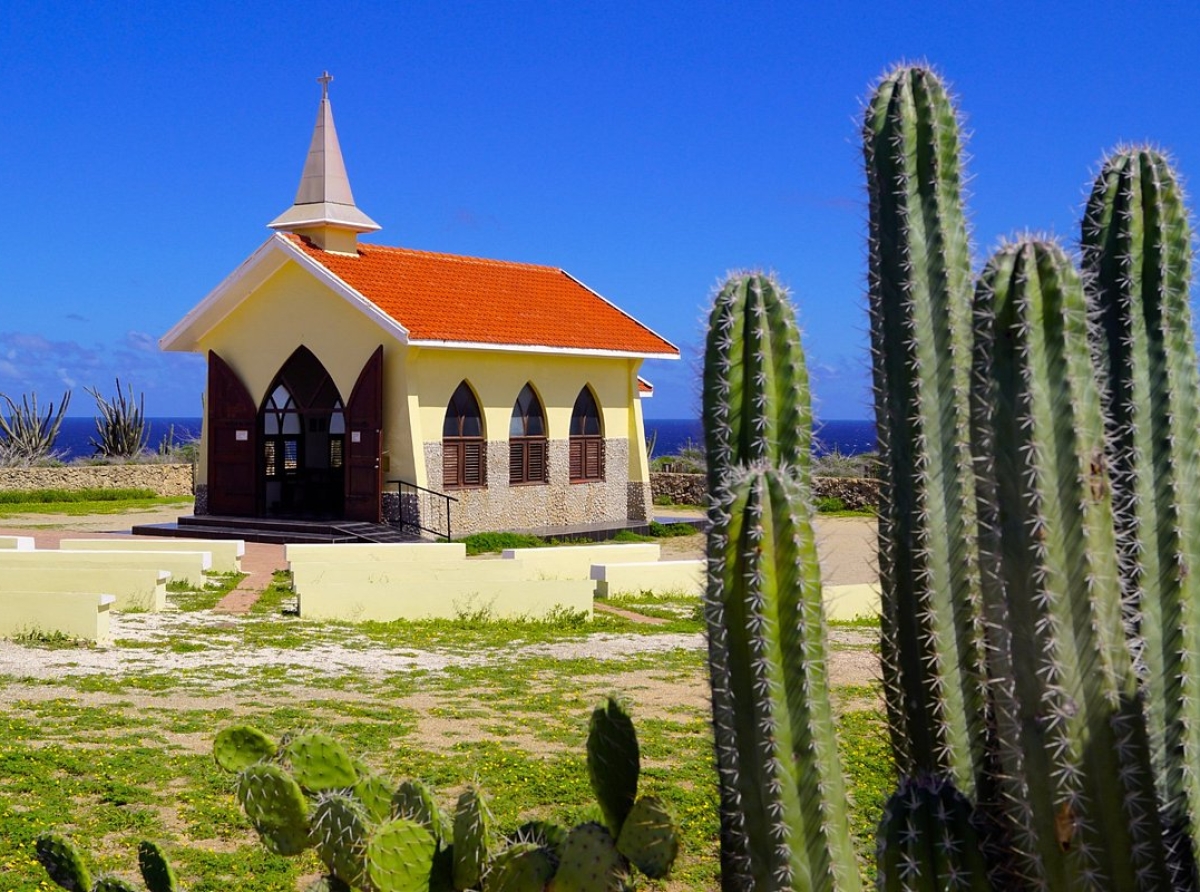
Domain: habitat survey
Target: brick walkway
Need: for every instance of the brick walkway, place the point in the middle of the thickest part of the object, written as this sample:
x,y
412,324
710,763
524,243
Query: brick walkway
x,y
259,563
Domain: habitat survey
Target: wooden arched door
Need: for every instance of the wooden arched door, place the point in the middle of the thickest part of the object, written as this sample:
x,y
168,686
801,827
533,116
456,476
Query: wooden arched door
x,y
232,443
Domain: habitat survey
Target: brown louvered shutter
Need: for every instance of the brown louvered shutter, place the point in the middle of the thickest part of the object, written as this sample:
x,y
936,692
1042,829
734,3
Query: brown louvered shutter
x,y
472,463
592,463
576,458
537,461
516,461
451,463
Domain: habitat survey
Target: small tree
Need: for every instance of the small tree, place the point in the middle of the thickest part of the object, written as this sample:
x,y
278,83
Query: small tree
x,y
28,435
120,424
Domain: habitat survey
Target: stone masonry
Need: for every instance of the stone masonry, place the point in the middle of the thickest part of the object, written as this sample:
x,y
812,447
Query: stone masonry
x,y
530,506
165,480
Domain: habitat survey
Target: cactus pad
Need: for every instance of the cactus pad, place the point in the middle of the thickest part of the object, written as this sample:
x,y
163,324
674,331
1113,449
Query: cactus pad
x,y
271,797
648,838
613,762
156,870
523,867
327,884
375,793
63,862
400,856
113,884
590,862
414,800
543,834
472,828
240,746
339,831
927,831
319,762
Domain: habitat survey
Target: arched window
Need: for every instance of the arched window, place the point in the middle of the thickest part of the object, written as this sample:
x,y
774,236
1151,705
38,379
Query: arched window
x,y
527,439
281,434
587,439
463,455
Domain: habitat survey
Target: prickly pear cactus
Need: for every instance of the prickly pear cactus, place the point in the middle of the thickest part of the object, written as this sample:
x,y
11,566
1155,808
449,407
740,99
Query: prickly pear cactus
x,y
927,840
920,313
590,862
1137,260
522,867
156,870
400,856
414,800
240,746
62,862
614,762
648,838
339,830
319,762
472,839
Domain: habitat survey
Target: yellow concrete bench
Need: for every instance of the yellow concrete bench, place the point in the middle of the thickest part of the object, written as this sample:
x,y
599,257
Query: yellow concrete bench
x,y
355,552
226,553
306,575
575,561
660,577
74,614
188,566
859,601
134,588
16,543
443,599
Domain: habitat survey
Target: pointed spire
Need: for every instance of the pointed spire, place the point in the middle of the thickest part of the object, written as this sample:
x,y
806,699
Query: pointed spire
x,y
324,209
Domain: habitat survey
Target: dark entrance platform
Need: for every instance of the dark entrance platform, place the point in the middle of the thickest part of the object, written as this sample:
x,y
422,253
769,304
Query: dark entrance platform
x,y
276,530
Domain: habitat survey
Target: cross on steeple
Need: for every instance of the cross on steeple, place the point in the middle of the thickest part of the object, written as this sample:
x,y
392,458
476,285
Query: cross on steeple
x,y
324,80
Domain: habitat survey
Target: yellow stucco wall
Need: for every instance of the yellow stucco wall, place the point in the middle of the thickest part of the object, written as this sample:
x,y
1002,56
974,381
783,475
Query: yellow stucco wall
x,y
497,377
292,307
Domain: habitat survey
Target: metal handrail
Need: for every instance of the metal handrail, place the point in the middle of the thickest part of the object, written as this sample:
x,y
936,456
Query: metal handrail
x,y
412,519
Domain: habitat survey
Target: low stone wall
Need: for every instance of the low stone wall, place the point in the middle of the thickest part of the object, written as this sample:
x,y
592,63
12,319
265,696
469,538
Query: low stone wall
x,y
165,480
688,489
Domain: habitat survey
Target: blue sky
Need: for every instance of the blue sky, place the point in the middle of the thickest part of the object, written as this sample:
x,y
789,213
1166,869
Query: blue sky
x,y
647,148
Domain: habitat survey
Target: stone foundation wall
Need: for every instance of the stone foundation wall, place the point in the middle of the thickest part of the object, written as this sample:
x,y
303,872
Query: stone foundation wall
x,y
165,480
530,506
688,489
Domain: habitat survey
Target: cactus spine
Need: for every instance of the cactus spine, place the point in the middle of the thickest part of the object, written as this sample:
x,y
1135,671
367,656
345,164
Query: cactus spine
x,y
1137,258
1074,759
920,312
783,809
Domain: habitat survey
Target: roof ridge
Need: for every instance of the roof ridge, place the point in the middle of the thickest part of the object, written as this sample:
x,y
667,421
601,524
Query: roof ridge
x,y
462,258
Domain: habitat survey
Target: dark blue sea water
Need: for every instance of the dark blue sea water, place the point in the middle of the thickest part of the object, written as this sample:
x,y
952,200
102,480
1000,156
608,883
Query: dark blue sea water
x,y
76,433
847,437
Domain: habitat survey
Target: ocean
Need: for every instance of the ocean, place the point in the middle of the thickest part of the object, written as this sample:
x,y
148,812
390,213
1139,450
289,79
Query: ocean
x,y
76,434
671,435
846,437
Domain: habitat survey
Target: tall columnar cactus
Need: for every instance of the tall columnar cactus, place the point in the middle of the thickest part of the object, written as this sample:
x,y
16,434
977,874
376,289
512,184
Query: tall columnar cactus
x,y
920,309
1137,258
755,397
783,808
1074,758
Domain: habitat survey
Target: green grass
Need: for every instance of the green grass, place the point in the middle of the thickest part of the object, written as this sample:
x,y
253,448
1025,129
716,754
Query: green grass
x,y
36,496
81,506
116,757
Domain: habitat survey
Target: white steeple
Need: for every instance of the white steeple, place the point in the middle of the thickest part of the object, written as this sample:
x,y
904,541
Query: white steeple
x,y
324,210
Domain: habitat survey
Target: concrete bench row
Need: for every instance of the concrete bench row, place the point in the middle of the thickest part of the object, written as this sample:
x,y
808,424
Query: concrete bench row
x,y
70,590
391,581
425,580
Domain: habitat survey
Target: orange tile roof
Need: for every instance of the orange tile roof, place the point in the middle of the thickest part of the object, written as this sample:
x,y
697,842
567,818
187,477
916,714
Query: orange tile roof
x,y
445,297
